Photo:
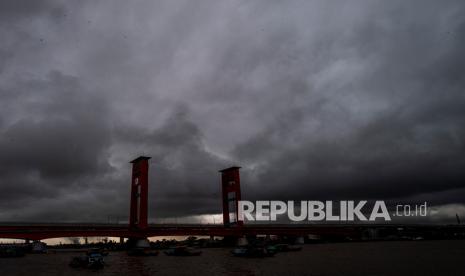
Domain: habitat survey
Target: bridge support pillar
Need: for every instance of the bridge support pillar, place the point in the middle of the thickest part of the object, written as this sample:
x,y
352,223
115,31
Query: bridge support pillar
x,y
135,243
300,240
242,241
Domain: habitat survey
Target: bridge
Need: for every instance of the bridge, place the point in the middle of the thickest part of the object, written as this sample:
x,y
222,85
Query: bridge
x,y
139,228
331,231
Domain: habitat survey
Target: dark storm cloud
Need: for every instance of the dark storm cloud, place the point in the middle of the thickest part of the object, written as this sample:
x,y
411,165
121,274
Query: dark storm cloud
x,y
57,131
12,9
184,172
414,144
53,136
315,100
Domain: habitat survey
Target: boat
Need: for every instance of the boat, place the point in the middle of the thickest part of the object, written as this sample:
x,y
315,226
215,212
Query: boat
x,y
93,260
39,247
253,252
182,251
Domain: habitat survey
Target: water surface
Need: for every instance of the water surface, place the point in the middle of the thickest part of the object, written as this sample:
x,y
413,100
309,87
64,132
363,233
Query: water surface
x,y
368,258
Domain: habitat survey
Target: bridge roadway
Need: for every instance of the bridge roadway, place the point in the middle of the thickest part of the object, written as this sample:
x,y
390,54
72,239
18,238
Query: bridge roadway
x,y
39,231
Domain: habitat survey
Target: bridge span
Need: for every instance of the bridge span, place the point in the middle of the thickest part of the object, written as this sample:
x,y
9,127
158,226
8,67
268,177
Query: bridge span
x,y
331,231
233,226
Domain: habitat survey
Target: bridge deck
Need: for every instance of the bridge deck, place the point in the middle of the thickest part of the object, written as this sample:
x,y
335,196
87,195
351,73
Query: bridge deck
x,y
39,231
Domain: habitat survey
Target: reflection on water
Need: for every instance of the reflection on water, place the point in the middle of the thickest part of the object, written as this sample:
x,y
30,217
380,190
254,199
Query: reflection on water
x,y
376,258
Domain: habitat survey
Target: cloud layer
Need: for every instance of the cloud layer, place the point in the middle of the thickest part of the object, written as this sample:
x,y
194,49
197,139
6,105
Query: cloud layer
x,y
315,100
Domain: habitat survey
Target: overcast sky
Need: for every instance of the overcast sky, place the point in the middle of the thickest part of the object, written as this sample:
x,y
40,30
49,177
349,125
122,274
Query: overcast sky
x,y
314,99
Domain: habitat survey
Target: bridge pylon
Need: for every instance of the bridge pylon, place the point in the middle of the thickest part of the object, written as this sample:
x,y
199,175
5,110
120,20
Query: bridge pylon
x,y
139,193
231,195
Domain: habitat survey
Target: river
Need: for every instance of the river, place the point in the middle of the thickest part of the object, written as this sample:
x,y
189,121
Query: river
x,y
362,258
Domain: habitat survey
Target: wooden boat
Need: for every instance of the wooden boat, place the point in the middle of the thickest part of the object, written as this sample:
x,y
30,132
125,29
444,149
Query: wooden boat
x,y
93,260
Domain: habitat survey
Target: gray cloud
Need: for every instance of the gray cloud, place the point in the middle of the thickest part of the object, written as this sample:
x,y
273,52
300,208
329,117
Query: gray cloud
x,y
24,8
315,100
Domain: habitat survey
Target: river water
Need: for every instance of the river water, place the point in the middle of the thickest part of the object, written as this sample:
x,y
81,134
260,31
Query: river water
x,y
364,258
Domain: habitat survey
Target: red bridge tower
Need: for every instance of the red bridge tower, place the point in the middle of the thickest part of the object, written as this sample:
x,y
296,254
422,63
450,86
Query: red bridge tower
x,y
231,194
139,193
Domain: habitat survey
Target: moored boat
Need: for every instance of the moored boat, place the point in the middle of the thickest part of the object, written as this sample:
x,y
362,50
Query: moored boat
x,y
93,260
39,247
